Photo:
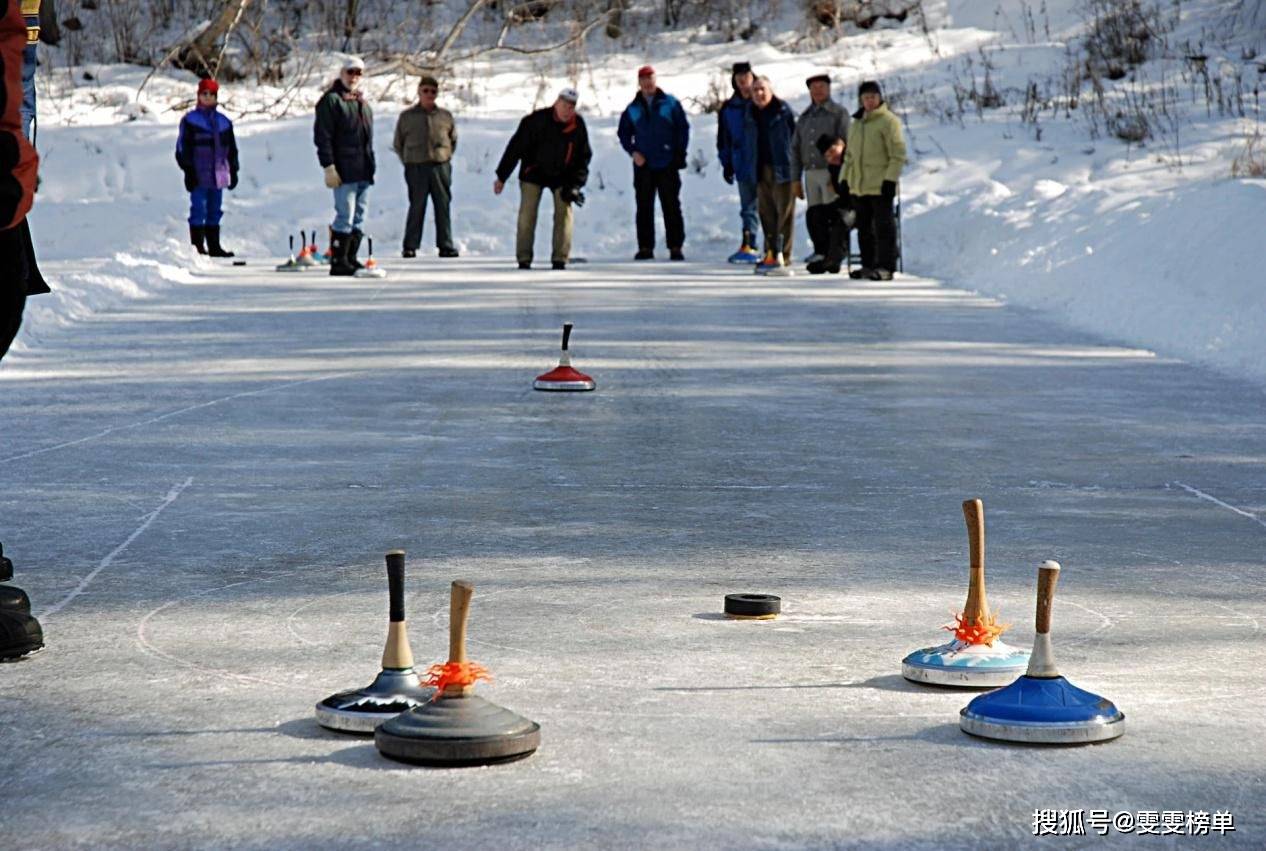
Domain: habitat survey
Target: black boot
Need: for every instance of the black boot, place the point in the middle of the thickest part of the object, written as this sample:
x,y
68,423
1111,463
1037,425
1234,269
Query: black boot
x,y
20,634
213,242
339,243
835,252
353,246
198,236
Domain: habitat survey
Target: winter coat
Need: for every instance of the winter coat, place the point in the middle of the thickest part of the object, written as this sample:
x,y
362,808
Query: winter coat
x,y
425,137
344,134
658,131
548,152
827,118
778,125
206,150
732,148
18,160
876,152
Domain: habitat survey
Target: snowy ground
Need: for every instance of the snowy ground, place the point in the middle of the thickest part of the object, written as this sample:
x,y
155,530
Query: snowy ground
x,y
198,489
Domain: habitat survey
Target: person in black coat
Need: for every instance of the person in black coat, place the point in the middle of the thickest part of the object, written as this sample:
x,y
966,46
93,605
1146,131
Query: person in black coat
x,y
840,217
344,137
551,150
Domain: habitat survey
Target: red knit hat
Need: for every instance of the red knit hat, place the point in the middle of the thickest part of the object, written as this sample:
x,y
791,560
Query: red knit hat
x,y
208,85
645,71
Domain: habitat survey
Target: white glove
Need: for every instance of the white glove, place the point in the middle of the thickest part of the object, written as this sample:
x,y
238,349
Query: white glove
x,y
332,179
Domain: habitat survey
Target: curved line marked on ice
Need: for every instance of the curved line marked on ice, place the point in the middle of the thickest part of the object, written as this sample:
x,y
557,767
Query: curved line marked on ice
x,y
169,415
1197,492
171,497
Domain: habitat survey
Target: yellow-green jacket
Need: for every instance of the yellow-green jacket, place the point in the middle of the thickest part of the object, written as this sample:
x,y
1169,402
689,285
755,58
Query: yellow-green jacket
x,y
876,152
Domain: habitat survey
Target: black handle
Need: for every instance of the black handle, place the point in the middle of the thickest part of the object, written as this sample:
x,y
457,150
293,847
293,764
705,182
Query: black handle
x,y
395,584
566,334
292,243
303,239
371,246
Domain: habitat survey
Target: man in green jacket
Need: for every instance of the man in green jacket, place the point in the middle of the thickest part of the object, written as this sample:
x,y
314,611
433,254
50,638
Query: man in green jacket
x,y
873,160
425,140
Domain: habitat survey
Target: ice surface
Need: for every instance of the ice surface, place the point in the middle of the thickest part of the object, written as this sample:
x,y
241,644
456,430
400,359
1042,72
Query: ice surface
x,y
810,438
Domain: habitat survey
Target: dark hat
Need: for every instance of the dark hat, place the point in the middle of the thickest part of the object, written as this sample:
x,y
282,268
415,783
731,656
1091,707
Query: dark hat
x,y
741,68
869,86
818,78
428,80
824,142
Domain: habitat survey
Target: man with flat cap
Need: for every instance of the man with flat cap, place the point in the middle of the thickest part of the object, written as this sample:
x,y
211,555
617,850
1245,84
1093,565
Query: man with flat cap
x,y
655,133
812,180
738,157
873,161
551,150
425,140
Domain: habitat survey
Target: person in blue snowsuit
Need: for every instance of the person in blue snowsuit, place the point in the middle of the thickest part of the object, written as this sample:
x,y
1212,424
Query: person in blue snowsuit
x,y
655,133
738,161
206,152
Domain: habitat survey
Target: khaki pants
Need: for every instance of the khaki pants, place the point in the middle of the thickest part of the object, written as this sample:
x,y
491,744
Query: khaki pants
x,y
529,202
817,187
777,206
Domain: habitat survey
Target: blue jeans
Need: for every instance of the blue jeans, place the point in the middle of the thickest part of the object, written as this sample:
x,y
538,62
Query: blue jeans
x,y
206,207
350,201
28,88
747,206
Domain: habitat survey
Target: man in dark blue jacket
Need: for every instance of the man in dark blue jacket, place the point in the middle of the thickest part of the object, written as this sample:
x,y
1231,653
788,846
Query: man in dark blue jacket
x,y
737,164
770,127
655,133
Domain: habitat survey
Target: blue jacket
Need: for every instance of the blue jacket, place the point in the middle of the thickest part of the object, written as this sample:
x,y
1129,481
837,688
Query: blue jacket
x,y
206,149
660,133
732,146
780,124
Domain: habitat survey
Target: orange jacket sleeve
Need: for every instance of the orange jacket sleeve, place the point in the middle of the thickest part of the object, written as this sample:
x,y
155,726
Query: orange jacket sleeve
x,y
18,160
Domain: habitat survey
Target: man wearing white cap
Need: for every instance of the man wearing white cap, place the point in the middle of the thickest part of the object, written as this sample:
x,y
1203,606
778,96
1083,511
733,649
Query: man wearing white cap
x,y
344,136
551,150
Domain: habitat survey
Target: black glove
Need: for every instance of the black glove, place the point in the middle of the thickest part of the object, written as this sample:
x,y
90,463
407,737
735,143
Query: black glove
x,y
233,180
680,161
573,195
728,174
888,190
191,180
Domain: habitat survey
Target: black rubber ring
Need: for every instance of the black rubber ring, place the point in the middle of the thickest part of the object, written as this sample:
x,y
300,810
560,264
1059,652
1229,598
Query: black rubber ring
x,y
752,604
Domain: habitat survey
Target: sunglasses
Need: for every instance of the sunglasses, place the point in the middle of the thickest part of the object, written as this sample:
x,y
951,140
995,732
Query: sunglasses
x,y
353,72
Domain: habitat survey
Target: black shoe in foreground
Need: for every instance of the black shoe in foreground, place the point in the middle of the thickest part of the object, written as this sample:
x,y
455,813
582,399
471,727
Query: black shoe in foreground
x,y
560,265
525,264
644,254
449,252
675,254
408,254
860,273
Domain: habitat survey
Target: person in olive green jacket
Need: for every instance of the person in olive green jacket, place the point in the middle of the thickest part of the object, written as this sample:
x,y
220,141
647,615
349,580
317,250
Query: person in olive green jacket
x,y
873,159
425,140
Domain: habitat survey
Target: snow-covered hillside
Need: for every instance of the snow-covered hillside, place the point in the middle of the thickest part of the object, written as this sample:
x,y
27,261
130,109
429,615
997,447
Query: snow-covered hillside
x,y
1011,191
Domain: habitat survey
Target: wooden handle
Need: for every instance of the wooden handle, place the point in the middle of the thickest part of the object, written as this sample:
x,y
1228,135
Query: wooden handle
x,y
566,334
1047,577
458,610
976,610
397,653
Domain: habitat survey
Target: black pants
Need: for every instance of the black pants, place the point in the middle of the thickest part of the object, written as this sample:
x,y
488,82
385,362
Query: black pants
x,y
876,232
434,181
19,276
667,183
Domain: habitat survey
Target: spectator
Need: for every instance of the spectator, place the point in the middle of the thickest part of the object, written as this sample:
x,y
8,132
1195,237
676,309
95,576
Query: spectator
x,y
813,182
873,161
771,125
839,215
344,136
738,156
425,141
206,152
551,150
655,133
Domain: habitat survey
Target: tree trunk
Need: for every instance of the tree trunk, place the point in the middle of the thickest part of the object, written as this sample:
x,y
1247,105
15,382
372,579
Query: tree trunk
x,y
201,55
50,29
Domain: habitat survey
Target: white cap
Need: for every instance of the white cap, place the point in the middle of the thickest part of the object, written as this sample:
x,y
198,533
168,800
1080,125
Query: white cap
x,y
570,95
354,63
